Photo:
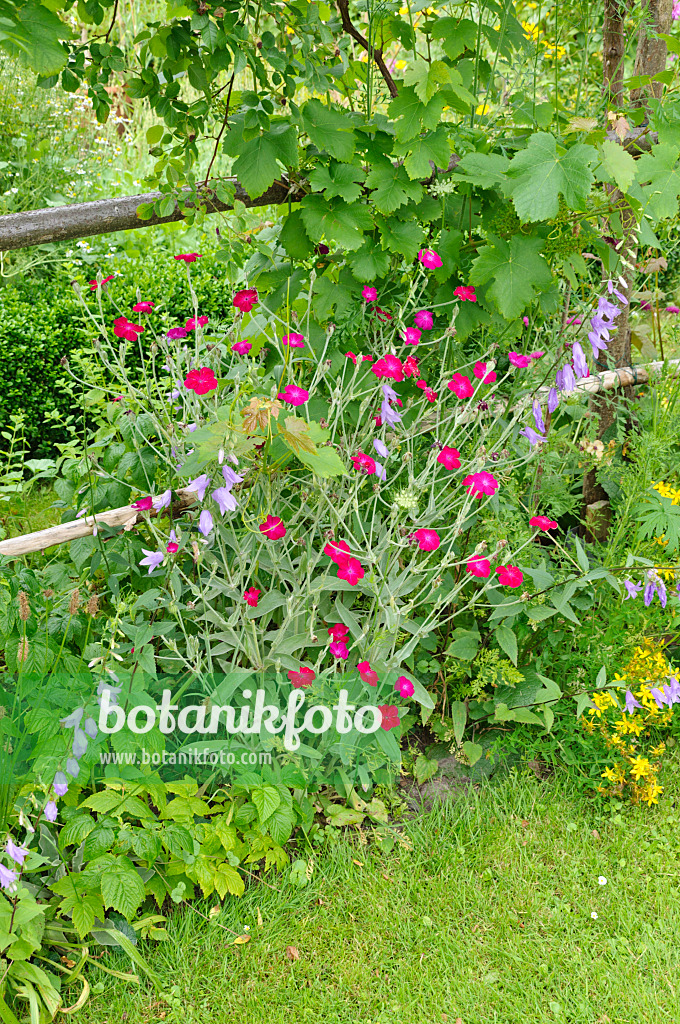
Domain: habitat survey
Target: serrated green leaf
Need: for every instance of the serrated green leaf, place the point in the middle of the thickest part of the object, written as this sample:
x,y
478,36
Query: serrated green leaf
x,y
425,768
517,271
401,236
391,187
483,169
618,164
266,800
369,262
336,179
659,172
425,78
432,148
329,129
337,221
257,165
36,31
122,889
294,238
326,463
411,115
507,641
543,171
227,880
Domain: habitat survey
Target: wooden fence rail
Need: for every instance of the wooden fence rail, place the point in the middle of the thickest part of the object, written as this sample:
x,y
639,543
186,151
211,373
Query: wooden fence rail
x,y
127,516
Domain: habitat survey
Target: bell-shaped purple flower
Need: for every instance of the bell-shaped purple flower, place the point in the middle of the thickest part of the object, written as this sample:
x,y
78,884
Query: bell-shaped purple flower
x,y
632,589
553,400
225,500
580,364
200,485
568,378
538,417
205,522
531,436
631,703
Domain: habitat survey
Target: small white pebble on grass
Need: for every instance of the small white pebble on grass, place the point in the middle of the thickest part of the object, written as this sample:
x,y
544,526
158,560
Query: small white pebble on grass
x,y
602,880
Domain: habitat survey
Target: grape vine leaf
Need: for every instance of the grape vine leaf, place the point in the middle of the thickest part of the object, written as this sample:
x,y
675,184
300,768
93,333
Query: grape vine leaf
x,y
543,171
293,237
434,147
425,78
402,236
411,116
257,163
325,463
619,165
483,169
457,35
296,435
391,187
516,269
660,172
369,262
342,180
329,129
337,221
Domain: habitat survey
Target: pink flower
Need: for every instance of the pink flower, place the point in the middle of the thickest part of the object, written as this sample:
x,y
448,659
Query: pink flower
x,y
94,285
370,294
427,540
294,395
675,12
246,299
143,504
538,354
461,386
477,484
542,523
404,686
430,259
337,551
367,674
350,355
517,359
410,367
189,257
363,463
338,631
122,328
525,321
143,307
389,366
273,528
201,381
428,392
481,373
424,319
390,716
301,677
192,324
352,571
480,567
242,348
465,293
339,649
252,596
172,545
294,340
176,332
449,458
382,314
673,309
510,576
411,336
574,320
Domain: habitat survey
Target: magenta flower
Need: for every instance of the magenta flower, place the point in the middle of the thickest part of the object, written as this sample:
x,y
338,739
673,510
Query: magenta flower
x,y
675,12
538,354
192,324
205,522
525,321
404,687
461,386
293,395
363,463
352,571
672,309
188,257
301,677
242,348
338,649
246,299
430,259
481,373
122,328
427,540
370,294
480,567
153,559
201,381
337,551
477,484
390,716
143,504
429,393
294,340
273,528
338,631
424,319
176,332
449,458
465,293
225,499
411,336
389,366
200,485
94,285
510,576
368,675
410,367
252,596
517,359
542,523
172,546
143,307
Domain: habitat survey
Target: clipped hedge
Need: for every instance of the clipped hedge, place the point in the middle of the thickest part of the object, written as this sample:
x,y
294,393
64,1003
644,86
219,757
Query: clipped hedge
x,y
41,321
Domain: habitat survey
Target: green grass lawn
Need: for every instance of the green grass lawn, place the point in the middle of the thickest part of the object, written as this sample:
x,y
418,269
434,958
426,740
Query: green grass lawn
x,y
484,915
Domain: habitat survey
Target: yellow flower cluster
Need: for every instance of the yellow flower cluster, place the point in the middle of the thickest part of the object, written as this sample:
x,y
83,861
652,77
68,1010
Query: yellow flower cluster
x,y
634,738
532,32
666,491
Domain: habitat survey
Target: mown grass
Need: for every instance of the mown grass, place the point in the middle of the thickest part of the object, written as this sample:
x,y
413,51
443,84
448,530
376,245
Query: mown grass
x,y
483,915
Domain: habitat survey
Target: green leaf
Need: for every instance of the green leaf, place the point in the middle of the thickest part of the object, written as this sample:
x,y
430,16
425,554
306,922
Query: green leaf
x,y
326,462
99,840
540,612
294,238
35,30
432,148
426,78
337,221
228,880
517,271
581,556
660,173
257,166
472,751
483,169
75,830
122,888
457,34
280,824
411,115
425,768
507,641
329,129
619,165
391,187
401,236
459,718
369,262
342,180
543,171
266,800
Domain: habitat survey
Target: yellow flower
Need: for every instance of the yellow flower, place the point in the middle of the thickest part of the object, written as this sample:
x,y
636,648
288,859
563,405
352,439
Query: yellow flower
x,y
400,65
483,108
658,751
640,767
530,30
651,792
